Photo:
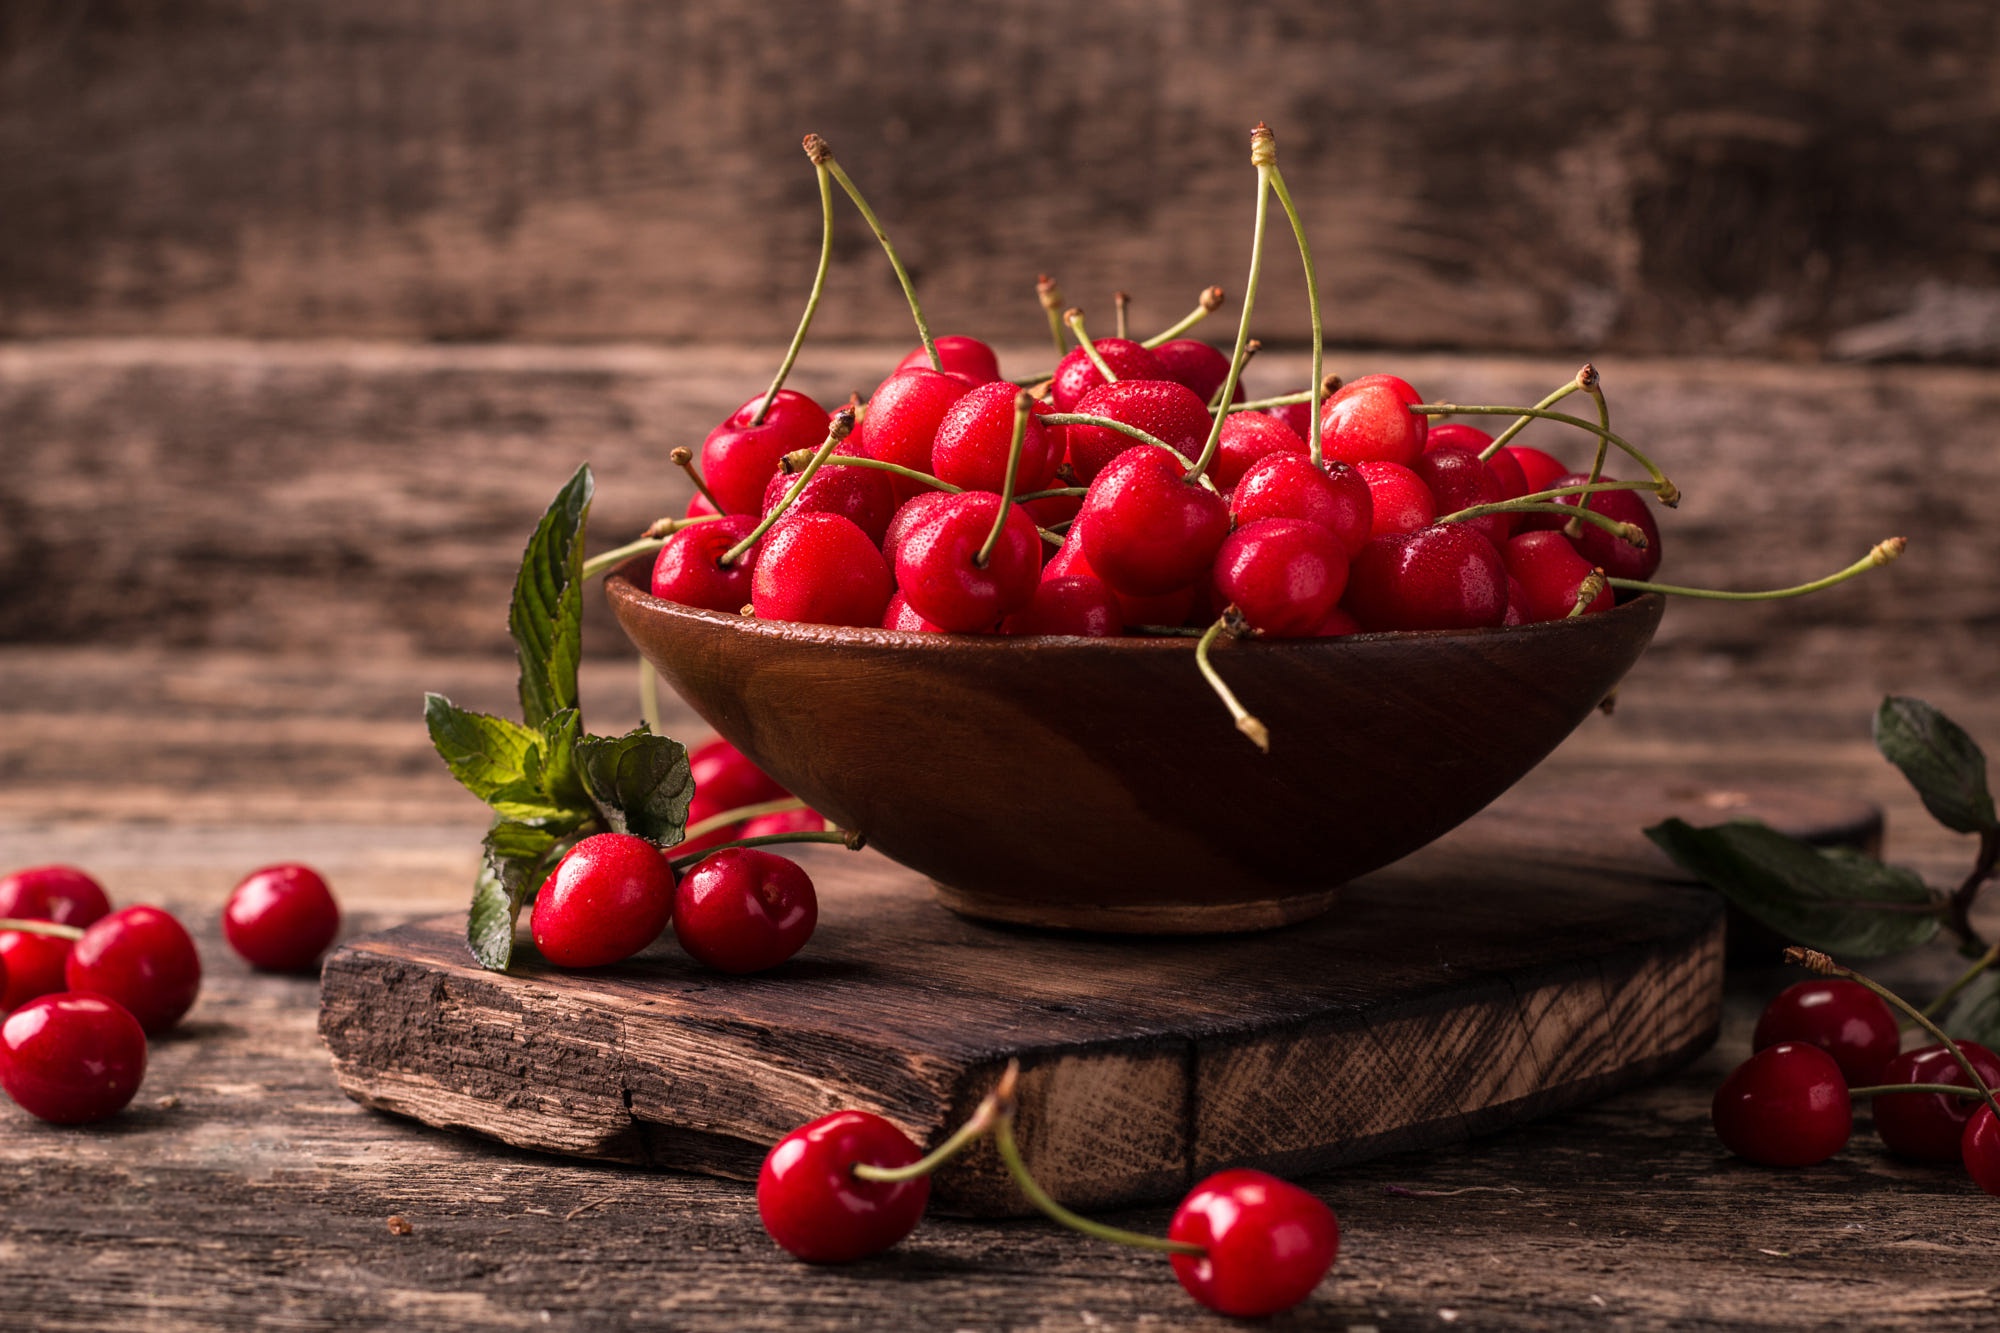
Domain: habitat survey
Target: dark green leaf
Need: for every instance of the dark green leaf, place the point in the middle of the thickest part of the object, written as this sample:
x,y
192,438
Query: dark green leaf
x,y
640,782
1827,898
487,754
561,781
546,617
509,874
1944,764
1975,1014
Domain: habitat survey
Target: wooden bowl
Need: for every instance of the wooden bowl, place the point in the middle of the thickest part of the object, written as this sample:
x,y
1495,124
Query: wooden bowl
x,y
1098,784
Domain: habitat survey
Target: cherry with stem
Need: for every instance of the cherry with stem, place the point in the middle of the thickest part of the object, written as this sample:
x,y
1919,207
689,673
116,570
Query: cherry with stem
x,y
1074,318
1881,554
1263,156
1670,494
837,430
738,814
1506,436
821,153
1246,723
822,171
656,537
1023,409
1209,301
683,458
1313,447
1215,400
1052,305
847,838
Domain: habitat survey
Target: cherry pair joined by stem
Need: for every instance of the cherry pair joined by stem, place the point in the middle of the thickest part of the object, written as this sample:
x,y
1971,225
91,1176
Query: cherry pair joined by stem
x,y
281,918
1929,1126
1843,1018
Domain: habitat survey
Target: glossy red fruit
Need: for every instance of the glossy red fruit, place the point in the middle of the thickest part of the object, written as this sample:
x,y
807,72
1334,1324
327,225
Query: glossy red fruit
x,y
1434,578
1268,1243
914,511
860,494
62,894
1457,480
1540,470
688,568
142,958
1337,623
1456,435
1288,486
899,616
1165,410
1400,502
938,571
1550,574
728,777
1787,1105
903,420
959,355
1146,531
1979,1149
1075,376
279,919
1369,421
820,569
1843,1018
608,898
71,1059
1283,574
1299,416
1195,364
32,965
1517,602
698,506
785,821
973,441
737,458
1248,437
1616,556
813,1205
1928,1126
1078,605
744,910
1069,561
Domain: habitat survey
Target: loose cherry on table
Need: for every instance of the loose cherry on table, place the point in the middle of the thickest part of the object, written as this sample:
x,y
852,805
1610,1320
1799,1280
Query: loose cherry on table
x,y
813,1204
973,441
1787,1105
1283,574
71,1058
608,898
1147,531
744,910
1197,365
32,965
820,569
1167,411
688,569
1288,486
941,576
281,918
1929,1126
1843,1018
1268,1243
1076,376
142,958
959,355
62,894
738,457
1368,420
1440,577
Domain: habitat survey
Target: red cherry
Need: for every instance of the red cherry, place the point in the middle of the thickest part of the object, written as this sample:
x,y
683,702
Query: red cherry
x,y
813,1204
914,511
902,421
1434,578
1288,486
688,571
785,821
1169,608
1197,365
32,965
937,570
820,569
1052,510
1283,574
608,898
62,894
1928,1126
1616,556
1843,1018
1268,1243
1337,623
1979,1149
1146,531
1078,605
975,437
279,919
1517,602
1550,573
1401,502
960,356
1513,483
699,507
1457,480
737,458
1299,416
1456,435
1246,438
1164,410
1369,421
726,776
899,616
744,910
861,494
70,1059
1787,1105
1540,470
142,958
1075,376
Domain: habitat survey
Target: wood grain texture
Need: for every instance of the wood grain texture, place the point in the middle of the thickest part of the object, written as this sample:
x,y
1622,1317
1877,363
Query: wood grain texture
x,y
1715,178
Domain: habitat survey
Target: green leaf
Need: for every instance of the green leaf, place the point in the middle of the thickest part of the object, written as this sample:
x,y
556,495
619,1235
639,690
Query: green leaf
x,y
1945,765
640,783
488,755
562,783
1827,898
546,618
509,876
1975,1014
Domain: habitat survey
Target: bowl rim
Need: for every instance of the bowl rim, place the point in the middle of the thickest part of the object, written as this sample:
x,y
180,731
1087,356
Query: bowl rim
x,y
1643,606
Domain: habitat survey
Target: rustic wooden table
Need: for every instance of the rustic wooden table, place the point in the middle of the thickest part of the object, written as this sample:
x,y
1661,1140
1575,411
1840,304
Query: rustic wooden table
x,y
256,546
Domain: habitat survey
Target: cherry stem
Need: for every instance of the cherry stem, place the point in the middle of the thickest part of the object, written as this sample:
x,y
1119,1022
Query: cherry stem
x,y
1052,305
1074,318
1540,497
1965,978
1209,301
1312,297
1086,419
1948,1089
1670,494
683,458
821,153
1010,1153
649,696
1506,436
1587,378
880,465
724,818
1282,400
843,422
1263,154
1023,408
40,928
1630,532
1259,735
1051,493
656,537
1967,892
1123,300
1586,593
818,289
1882,554
1215,399
851,841
984,1117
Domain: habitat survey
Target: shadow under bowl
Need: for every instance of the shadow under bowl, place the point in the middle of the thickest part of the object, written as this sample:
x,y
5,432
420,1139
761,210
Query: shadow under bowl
x,y
1098,784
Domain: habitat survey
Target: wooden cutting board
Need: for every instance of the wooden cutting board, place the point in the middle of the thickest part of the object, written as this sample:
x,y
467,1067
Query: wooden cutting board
x,y
1542,955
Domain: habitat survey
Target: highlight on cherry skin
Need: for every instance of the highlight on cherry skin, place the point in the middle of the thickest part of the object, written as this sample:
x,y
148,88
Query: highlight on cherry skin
x,y
281,918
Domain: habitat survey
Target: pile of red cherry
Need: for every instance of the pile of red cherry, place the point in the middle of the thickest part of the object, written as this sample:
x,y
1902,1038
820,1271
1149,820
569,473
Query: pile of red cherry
x,y
83,987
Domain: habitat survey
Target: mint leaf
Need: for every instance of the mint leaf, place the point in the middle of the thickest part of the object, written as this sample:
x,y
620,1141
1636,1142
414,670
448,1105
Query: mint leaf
x,y
1945,765
639,782
488,755
510,873
561,781
546,617
1826,898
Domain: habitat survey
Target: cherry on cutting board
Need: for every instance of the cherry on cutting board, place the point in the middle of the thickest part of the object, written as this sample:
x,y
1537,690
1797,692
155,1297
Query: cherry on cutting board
x,y
608,898
744,910
281,918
